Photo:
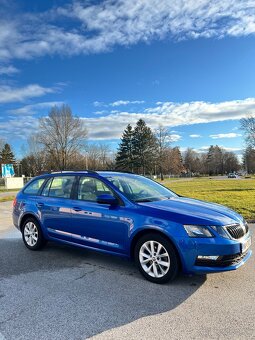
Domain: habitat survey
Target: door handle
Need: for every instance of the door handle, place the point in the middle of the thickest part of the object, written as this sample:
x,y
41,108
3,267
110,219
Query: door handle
x,y
77,209
39,205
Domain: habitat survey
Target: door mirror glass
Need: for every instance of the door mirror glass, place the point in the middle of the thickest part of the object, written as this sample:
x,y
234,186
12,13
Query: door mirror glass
x,y
107,199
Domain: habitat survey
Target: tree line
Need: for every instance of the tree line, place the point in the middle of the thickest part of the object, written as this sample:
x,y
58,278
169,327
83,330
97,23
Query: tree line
x,y
61,143
143,151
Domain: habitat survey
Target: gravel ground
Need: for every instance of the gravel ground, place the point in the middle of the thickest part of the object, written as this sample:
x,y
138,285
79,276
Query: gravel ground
x,y
68,293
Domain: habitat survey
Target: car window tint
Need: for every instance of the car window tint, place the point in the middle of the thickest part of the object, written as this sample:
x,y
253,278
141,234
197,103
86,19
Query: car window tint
x,y
141,189
46,188
61,186
89,188
34,187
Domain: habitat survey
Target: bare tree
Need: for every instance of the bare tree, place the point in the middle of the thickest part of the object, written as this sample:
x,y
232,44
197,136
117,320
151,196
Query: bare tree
x,y
104,152
93,156
163,139
99,156
35,160
62,135
192,161
230,162
248,126
249,160
2,142
174,162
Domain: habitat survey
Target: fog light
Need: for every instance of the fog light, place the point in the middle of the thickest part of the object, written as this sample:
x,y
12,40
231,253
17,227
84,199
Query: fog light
x,y
202,257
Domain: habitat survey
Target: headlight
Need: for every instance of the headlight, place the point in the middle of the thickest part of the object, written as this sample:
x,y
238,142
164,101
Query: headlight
x,y
197,231
221,231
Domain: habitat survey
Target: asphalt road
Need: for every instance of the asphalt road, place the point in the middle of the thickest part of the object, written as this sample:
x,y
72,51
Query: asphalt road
x,y
68,293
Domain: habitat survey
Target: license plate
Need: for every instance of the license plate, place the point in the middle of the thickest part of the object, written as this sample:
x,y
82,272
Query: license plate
x,y
245,245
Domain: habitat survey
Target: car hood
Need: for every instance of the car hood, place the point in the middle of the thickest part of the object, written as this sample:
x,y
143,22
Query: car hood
x,y
191,211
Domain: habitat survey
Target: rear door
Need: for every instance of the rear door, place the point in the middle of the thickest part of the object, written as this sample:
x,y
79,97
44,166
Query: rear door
x,y
55,206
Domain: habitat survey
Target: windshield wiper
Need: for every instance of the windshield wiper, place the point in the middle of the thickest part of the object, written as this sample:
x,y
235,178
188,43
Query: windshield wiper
x,y
143,200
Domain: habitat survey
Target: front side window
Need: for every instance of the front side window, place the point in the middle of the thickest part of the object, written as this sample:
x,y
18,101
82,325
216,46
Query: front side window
x,y
141,189
34,187
61,187
89,188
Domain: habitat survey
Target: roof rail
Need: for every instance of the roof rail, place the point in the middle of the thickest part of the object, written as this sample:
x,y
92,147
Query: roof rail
x,y
92,171
67,171
126,172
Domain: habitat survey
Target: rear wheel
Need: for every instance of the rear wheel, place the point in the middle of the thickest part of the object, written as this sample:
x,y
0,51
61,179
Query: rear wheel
x,y
156,258
32,234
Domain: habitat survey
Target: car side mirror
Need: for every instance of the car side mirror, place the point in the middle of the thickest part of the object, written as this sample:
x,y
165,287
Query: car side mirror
x,y
107,199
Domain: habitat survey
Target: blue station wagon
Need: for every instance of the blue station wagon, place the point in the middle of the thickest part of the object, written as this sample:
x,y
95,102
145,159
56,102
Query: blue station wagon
x,y
132,216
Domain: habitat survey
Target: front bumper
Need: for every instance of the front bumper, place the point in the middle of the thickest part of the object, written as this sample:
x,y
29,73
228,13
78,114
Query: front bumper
x,y
222,266
229,252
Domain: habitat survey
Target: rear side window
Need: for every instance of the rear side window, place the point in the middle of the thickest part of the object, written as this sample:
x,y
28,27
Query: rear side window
x,y
61,186
34,187
46,188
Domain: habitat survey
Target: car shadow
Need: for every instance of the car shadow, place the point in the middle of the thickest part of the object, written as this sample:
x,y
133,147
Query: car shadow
x,y
76,293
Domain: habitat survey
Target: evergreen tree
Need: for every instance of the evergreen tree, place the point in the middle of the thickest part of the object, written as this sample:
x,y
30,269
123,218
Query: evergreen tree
x,y
6,155
145,147
125,157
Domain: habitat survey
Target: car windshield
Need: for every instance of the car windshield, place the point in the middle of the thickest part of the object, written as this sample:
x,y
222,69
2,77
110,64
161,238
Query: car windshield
x,y
140,189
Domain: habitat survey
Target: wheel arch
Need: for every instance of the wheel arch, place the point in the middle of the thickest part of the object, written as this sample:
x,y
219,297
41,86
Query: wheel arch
x,y
143,232
31,215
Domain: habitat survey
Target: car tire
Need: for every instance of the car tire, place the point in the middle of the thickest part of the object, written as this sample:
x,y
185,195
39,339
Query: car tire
x,y
32,234
156,258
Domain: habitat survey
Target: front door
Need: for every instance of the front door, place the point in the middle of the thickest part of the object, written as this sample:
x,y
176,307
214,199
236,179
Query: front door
x,y
100,225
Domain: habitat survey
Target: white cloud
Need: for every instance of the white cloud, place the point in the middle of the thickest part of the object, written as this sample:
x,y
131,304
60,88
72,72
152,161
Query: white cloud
x,y
126,102
117,103
34,108
18,128
99,26
195,136
111,125
175,138
99,112
8,70
169,114
18,94
204,149
98,104
225,135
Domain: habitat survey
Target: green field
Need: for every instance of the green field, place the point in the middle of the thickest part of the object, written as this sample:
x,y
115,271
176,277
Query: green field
x,y
238,194
7,198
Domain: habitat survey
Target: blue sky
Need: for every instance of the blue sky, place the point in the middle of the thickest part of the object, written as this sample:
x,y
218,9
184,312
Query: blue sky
x,y
186,65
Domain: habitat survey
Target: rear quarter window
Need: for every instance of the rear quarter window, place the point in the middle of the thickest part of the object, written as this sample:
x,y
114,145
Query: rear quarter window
x,y
34,187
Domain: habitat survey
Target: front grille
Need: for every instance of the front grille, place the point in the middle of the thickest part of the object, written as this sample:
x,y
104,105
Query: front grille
x,y
237,231
222,261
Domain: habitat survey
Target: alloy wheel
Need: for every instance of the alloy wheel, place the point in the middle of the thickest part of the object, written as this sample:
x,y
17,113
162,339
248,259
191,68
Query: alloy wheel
x,y
154,259
31,234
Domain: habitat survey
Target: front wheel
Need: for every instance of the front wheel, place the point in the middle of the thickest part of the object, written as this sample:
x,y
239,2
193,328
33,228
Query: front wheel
x,y
156,258
32,234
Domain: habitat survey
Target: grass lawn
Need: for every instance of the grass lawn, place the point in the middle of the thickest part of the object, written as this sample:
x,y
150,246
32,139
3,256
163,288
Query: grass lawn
x,y
238,194
7,198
